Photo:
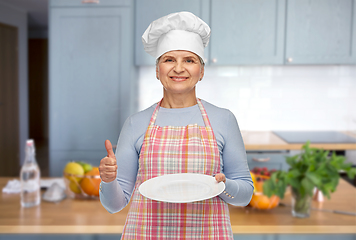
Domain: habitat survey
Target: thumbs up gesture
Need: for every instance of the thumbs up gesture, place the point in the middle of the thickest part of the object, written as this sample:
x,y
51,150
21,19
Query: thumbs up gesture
x,y
108,166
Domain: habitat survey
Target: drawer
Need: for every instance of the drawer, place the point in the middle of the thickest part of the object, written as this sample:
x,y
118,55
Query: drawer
x,y
271,160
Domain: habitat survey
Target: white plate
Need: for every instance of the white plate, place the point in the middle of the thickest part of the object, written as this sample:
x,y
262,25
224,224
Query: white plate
x,y
181,188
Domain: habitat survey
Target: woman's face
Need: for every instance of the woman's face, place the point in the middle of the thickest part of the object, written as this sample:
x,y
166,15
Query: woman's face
x,y
179,71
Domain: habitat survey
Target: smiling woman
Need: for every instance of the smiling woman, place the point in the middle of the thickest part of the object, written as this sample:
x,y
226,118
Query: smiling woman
x,y
176,136
179,72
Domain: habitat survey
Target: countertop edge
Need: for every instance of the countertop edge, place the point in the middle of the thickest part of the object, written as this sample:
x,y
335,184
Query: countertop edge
x,y
343,146
268,140
258,229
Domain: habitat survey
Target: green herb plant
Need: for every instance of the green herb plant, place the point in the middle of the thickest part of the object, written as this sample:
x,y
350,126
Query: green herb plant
x,y
311,168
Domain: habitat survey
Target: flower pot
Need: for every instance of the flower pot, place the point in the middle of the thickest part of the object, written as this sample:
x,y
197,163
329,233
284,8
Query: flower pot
x,y
300,204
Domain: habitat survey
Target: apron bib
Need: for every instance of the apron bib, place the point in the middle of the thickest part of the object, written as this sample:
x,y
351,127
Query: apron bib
x,y
169,150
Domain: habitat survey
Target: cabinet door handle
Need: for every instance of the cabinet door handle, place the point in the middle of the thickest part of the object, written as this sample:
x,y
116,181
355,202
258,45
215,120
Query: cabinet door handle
x,y
214,60
90,1
290,59
261,159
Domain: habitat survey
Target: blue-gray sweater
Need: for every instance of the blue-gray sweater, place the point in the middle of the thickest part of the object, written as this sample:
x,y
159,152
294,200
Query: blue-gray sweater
x,y
115,195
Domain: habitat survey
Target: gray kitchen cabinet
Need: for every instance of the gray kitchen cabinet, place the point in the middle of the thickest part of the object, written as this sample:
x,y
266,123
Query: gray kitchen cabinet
x,y
148,11
90,3
90,86
243,31
321,32
247,32
270,159
264,32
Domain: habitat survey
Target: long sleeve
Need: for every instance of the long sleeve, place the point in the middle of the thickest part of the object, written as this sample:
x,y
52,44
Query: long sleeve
x,y
239,185
115,195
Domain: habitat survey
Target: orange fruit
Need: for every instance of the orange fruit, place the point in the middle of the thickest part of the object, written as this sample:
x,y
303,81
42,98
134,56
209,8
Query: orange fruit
x,y
263,202
90,185
259,186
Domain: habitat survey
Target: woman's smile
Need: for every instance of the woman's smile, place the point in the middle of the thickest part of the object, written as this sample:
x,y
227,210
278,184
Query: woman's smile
x,y
178,78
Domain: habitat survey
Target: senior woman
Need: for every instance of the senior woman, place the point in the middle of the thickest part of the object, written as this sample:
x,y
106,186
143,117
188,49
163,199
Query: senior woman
x,y
180,134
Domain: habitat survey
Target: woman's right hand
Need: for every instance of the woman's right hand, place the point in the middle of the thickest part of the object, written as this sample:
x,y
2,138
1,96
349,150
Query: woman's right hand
x,y
108,166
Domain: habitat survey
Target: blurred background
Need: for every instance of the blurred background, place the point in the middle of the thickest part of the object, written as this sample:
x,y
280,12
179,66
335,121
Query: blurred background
x,y
72,71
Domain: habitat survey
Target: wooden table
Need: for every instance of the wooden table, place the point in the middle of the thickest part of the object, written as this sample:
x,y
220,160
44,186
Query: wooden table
x,y
88,216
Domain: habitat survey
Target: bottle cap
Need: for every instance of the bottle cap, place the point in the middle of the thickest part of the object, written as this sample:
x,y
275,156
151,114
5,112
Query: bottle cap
x,y
29,142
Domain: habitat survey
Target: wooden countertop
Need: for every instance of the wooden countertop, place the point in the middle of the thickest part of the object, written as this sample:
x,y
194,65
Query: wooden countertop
x,y
89,216
269,141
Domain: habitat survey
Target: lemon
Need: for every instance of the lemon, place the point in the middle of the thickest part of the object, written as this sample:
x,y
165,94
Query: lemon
x,y
74,187
74,168
253,180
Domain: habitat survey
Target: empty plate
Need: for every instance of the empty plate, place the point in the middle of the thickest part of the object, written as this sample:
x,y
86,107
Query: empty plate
x,y
181,188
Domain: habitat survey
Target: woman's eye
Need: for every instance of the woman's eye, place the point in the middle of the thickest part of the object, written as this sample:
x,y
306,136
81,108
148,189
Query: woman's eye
x,y
169,60
190,61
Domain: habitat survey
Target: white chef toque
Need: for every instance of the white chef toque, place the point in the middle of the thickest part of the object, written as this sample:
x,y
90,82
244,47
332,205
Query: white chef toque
x,y
176,31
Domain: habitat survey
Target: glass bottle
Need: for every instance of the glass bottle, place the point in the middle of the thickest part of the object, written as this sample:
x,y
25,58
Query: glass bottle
x,y
30,178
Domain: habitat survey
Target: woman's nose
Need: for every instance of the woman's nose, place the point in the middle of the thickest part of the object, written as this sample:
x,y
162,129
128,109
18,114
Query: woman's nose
x,y
178,68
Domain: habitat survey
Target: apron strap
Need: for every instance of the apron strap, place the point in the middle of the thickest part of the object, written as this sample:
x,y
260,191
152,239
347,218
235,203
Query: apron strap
x,y
155,112
203,113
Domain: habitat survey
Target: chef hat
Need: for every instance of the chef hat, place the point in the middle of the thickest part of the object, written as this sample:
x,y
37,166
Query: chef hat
x,y
176,31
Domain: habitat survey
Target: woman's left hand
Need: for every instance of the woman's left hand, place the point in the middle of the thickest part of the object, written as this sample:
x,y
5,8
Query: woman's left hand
x,y
220,177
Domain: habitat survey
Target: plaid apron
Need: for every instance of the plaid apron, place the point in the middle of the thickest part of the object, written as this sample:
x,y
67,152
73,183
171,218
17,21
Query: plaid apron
x,y
169,150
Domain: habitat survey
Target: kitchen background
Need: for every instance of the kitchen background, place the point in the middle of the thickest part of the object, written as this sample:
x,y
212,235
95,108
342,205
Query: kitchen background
x,y
71,70
73,82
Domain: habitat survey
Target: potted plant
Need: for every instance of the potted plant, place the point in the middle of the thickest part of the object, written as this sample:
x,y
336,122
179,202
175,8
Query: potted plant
x,y
312,168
